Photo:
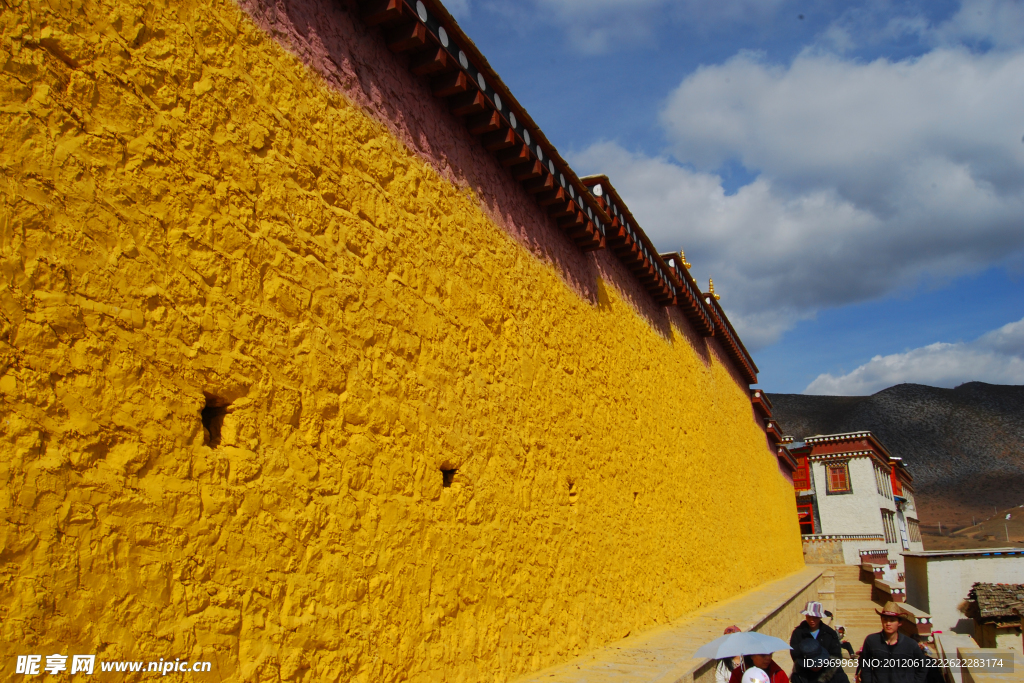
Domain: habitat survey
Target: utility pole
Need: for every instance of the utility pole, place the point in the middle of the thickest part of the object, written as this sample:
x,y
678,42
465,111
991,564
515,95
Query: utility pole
x,y
940,528
1007,532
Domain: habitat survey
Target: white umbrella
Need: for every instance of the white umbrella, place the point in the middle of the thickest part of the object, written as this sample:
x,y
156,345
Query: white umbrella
x,y
746,643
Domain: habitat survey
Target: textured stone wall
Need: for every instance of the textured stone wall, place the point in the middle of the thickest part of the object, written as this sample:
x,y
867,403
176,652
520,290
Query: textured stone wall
x,y
823,552
190,218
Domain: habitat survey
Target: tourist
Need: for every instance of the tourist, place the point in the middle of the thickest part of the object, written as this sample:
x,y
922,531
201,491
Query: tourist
x,y
763,662
889,656
844,644
811,627
812,663
726,666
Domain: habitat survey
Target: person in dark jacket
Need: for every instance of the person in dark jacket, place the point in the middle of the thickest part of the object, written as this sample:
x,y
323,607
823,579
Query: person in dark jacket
x,y
811,627
934,674
813,664
878,663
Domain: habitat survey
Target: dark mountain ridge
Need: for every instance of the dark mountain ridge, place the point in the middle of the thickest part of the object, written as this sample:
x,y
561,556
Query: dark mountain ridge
x,y
963,446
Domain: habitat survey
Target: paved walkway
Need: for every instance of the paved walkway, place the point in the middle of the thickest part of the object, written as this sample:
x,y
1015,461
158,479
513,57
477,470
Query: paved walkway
x,y
665,654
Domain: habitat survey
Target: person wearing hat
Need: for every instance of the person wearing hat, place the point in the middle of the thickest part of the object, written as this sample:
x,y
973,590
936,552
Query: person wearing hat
x,y
812,627
890,656
813,664
726,666
843,642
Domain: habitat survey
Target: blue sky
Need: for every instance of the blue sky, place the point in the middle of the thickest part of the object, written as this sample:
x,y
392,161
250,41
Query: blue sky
x,y
851,174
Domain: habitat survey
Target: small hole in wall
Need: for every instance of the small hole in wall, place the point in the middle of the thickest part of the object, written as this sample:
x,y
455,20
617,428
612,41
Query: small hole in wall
x,y
447,477
213,419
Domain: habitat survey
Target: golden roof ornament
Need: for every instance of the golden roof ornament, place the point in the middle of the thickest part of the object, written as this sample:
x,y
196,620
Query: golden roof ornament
x,y
682,258
711,288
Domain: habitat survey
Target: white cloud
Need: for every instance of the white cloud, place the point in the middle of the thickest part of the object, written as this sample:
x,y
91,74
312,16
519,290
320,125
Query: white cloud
x,y
996,357
872,177
984,24
596,26
857,127
998,22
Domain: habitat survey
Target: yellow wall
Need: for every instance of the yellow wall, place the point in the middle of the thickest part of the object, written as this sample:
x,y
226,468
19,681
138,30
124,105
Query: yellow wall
x,y
186,209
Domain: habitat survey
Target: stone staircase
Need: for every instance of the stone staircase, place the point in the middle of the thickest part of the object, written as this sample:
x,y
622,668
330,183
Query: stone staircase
x,y
855,608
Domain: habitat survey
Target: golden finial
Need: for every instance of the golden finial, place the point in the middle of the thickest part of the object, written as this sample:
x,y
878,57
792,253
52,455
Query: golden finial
x,y
682,257
711,287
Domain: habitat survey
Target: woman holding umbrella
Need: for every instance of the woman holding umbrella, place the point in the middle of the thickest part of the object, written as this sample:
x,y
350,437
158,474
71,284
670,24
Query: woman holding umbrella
x,y
756,648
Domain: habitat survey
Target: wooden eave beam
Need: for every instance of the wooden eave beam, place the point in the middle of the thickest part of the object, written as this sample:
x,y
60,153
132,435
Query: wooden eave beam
x,y
467,103
551,197
488,122
434,59
527,171
561,209
382,12
546,183
498,140
513,156
449,84
406,36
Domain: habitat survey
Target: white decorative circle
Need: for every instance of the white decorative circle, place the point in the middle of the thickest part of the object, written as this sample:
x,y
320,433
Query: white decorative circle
x,y
497,101
421,10
463,59
512,119
598,191
561,179
551,166
480,80
526,136
572,192
443,35
590,212
540,154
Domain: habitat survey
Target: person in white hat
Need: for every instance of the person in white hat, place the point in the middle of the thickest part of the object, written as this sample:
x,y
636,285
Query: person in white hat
x,y
812,627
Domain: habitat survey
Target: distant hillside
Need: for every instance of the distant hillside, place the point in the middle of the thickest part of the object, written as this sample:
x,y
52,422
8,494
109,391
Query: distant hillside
x,y
964,446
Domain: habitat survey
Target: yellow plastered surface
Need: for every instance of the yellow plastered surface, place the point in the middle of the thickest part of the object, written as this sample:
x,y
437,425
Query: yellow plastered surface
x,y
188,215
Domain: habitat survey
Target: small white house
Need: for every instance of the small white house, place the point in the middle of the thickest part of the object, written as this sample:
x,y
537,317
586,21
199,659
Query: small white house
x,y
855,501
939,581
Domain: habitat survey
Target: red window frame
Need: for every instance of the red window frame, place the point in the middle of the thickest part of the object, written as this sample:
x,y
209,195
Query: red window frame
x,y
802,475
838,476
805,516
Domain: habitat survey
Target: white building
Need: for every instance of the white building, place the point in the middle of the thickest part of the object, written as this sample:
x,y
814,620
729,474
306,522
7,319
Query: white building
x,y
938,582
855,501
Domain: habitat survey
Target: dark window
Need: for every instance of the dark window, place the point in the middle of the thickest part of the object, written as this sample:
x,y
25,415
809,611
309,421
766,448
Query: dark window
x,y
805,513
